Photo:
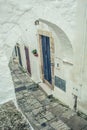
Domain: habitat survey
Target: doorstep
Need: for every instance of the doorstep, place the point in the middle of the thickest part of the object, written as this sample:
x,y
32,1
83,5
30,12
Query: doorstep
x,y
46,88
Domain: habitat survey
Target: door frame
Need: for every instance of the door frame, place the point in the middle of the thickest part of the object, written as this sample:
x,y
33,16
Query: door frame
x,y
26,59
48,34
19,54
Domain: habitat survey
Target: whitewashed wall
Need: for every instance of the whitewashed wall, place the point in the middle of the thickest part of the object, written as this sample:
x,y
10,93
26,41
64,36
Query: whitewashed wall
x,y
17,22
6,84
17,25
80,53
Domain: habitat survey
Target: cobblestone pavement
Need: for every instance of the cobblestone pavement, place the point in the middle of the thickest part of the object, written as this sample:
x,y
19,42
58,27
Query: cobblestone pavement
x,y
11,118
43,112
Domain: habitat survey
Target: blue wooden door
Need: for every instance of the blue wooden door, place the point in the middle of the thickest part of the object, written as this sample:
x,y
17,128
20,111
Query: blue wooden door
x,y
46,58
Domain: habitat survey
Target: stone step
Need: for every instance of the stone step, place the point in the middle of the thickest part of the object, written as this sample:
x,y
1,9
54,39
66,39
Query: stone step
x,y
60,125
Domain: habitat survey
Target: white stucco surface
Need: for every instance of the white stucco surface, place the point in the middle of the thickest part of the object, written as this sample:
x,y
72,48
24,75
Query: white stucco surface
x,y
6,84
17,22
17,25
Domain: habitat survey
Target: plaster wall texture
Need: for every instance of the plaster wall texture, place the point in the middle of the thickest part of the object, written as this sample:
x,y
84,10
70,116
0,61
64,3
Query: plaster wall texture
x,y
17,25
80,52
6,84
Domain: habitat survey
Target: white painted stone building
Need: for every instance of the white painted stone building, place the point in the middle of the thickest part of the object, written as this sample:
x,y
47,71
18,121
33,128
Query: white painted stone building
x,y
67,35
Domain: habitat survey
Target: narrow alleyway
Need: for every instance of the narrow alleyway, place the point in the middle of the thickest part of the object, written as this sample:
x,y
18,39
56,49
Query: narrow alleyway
x,y
43,112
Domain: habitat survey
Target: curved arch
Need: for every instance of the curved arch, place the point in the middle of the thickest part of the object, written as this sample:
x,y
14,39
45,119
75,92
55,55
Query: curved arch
x,y
16,31
66,46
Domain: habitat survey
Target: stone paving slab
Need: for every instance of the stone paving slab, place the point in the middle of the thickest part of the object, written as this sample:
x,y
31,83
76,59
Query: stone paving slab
x,y
48,115
77,123
85,128
60,125
58,110
20,88
37,111
43,112
68,114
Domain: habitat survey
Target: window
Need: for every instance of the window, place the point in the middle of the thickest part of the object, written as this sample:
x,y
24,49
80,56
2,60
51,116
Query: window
x,y
60,83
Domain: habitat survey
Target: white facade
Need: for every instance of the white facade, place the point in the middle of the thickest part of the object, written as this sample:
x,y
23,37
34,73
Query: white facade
x,y
59,19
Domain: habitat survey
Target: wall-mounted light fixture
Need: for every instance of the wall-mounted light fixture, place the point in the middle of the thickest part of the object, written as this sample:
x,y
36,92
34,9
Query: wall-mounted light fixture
x,y
37,22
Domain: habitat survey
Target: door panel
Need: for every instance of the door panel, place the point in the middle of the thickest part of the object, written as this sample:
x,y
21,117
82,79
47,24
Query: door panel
x,y
46,58
27,59
19,55
15,51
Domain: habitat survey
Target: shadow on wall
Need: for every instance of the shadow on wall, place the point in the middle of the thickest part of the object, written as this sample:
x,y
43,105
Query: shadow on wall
x,y
66,46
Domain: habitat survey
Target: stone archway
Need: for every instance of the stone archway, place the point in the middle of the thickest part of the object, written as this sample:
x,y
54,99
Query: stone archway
x,y
65,43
